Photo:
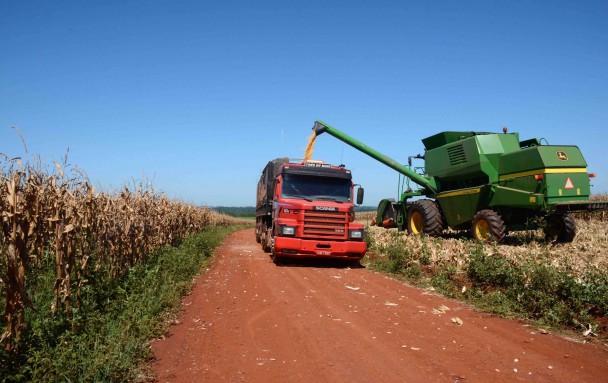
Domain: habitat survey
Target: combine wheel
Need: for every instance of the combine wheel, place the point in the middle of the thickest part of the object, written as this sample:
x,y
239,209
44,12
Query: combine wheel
x,y
561,228
424,217
488,225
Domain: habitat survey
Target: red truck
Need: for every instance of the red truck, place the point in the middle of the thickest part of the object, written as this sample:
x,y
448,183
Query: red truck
x,y
305,210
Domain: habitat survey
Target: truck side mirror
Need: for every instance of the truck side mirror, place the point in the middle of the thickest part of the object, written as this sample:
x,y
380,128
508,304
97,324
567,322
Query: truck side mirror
x,y
360,193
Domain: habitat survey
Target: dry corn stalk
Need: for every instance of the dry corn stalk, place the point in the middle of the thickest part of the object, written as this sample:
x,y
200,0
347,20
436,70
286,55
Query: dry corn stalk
x,y
59,212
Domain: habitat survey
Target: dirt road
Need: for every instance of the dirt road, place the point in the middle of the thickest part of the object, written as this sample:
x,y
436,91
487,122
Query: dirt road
x,y
251,321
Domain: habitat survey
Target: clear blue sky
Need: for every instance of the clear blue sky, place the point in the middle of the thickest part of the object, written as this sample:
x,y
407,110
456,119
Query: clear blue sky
x,y
200,95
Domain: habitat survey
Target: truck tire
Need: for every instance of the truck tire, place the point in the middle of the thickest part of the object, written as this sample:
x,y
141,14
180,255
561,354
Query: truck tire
x,y
258,237
488,225
560,228
424,217
267,239
276,259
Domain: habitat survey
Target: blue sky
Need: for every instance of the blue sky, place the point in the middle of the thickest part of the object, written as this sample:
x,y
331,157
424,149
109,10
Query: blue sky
x,y
199,95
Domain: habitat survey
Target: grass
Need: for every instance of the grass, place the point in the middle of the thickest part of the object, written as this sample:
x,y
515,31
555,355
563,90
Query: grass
x,y
106,338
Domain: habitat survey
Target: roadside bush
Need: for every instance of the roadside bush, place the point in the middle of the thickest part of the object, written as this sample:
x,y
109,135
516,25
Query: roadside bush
x,y
540,291
399,258
542,288
106,338
493,270
594,290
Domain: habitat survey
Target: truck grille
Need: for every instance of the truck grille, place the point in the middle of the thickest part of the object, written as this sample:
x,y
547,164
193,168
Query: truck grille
x,y
325,224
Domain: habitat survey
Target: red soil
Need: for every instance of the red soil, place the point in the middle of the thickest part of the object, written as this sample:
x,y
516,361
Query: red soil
x,y
249,320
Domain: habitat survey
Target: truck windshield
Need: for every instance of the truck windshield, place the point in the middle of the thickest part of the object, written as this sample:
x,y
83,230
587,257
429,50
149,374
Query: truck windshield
x,y
315,188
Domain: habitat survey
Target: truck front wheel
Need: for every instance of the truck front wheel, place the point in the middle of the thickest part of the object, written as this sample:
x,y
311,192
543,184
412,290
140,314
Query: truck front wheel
x,y
488,225
276,259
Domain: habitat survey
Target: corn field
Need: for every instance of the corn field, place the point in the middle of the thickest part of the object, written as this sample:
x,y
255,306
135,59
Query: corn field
x,y
589,248
57,213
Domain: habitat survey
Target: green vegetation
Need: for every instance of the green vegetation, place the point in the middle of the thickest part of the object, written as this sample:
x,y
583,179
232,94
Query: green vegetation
x,y
364,208
106,338
534,287
539,290
236,211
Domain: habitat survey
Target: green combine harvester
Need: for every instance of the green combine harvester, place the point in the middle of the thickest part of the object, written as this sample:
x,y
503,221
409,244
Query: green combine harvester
x,y
488,183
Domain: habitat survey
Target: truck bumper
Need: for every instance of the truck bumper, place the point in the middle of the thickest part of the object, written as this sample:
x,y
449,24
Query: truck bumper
x,y
309,248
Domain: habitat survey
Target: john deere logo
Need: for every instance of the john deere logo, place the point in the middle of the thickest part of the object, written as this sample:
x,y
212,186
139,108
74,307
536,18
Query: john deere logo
x,y
562,156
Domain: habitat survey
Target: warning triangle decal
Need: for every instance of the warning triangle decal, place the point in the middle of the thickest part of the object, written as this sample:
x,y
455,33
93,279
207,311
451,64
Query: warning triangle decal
x,y
569,184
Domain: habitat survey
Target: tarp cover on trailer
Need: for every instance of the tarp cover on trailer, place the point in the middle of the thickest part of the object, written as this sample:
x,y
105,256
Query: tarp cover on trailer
x,y
266,183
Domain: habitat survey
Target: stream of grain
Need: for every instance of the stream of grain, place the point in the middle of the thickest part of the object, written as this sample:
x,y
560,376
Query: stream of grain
x,y
310,147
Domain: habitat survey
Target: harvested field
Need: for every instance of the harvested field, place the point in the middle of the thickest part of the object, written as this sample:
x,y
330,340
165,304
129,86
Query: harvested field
x,y
590,247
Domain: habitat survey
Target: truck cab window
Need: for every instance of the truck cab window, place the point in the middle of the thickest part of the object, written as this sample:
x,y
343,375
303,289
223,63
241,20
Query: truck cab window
x,y
315,188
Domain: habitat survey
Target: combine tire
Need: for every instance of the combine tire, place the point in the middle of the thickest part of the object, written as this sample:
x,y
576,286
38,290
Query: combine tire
x,y
560,228
424,217
488,225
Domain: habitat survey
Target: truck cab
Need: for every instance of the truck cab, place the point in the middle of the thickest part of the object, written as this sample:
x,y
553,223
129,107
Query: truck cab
x,y
305,210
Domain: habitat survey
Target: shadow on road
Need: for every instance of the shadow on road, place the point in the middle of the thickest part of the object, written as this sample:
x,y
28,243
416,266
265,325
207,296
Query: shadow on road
x,y
321,263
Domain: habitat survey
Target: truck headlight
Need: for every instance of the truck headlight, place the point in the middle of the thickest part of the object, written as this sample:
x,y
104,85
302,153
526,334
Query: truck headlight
x,y
288,230
355,234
